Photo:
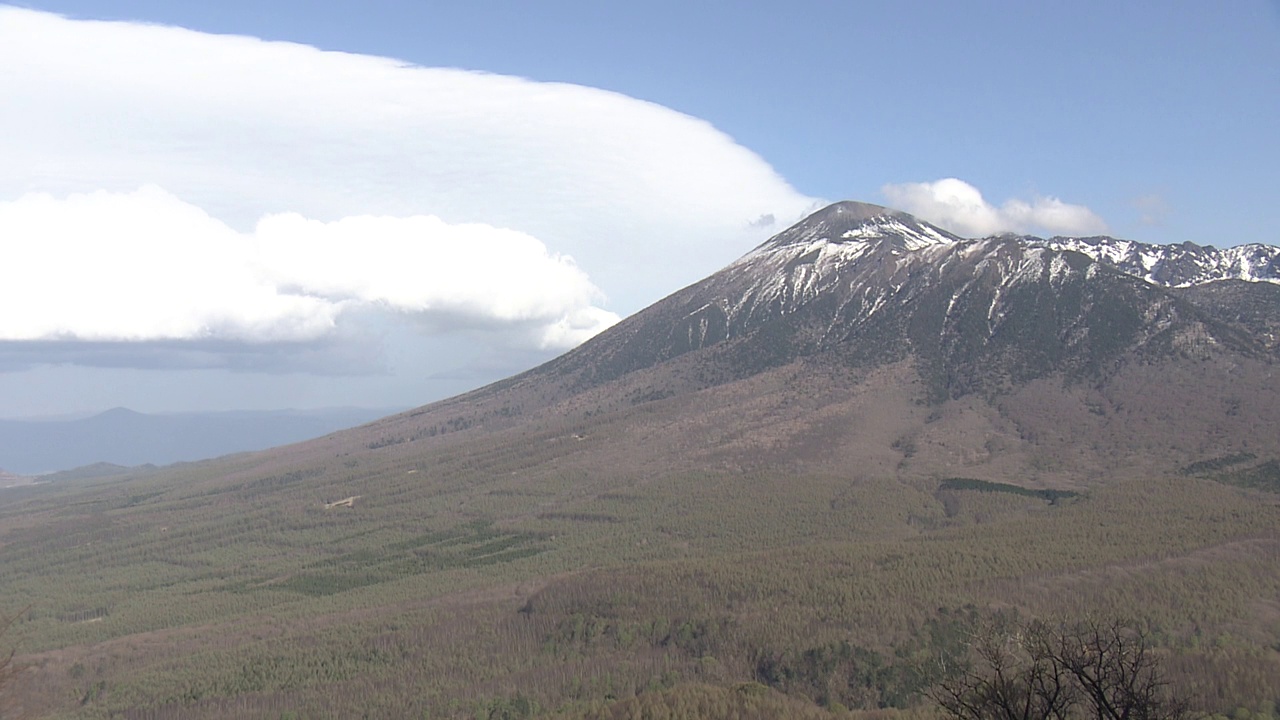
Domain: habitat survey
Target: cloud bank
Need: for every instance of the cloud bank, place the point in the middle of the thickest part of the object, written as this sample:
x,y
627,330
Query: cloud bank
x,y
146,266
165,185
959,207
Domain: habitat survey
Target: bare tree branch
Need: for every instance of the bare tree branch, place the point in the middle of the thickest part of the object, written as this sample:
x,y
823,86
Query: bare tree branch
x,y
1034,671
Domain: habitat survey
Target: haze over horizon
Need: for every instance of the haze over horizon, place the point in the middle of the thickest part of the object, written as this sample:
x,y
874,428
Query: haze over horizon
x,y
236,207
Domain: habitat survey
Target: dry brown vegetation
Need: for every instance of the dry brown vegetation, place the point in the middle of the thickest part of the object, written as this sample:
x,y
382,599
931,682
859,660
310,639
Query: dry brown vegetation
x,y
9,672
783,545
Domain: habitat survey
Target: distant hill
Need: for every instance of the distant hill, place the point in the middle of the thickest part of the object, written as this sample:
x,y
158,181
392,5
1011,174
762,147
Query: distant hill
x,y
126,438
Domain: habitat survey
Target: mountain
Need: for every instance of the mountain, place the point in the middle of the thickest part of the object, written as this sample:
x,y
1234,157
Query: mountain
x,y
1182,265
1004,336
876,286
794,487
123,437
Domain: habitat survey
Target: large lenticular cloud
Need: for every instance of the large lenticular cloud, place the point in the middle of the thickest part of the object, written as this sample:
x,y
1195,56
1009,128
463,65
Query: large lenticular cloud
x,y
262,190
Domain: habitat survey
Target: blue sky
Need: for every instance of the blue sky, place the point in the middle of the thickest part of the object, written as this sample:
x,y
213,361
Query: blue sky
x,y
1151,121
1098,103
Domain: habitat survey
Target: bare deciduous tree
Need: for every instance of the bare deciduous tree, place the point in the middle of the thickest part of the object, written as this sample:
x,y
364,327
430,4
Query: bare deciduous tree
x,y
1034,671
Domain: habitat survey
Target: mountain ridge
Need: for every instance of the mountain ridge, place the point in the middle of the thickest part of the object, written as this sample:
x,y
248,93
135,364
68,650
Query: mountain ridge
x,y
128,438
859,274
1182,265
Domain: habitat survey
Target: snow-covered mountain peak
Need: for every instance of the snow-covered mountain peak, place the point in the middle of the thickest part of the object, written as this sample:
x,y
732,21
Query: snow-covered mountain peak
x,y
874,285
849,230
805,261
855,263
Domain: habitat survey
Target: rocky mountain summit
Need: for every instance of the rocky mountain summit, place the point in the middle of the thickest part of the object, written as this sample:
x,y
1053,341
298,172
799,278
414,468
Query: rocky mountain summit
x,y
874,286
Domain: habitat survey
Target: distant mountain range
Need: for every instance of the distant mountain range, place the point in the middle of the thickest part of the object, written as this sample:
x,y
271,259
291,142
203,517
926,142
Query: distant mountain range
x,y
1176,265
122,437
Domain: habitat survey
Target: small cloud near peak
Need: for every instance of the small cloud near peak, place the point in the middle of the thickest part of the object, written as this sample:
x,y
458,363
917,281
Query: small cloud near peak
x,y
957,206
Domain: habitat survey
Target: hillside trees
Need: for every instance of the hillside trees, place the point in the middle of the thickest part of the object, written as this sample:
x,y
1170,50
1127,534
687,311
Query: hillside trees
x,y
1036,671
7,668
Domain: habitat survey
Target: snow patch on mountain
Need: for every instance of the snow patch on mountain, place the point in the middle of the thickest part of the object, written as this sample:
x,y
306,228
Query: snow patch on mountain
x,y
862,261
801,263
1180,266
913,236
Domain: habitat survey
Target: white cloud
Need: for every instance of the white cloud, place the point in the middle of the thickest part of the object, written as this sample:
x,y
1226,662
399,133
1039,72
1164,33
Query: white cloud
x,y
959,207
644,198
422,264
146,266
